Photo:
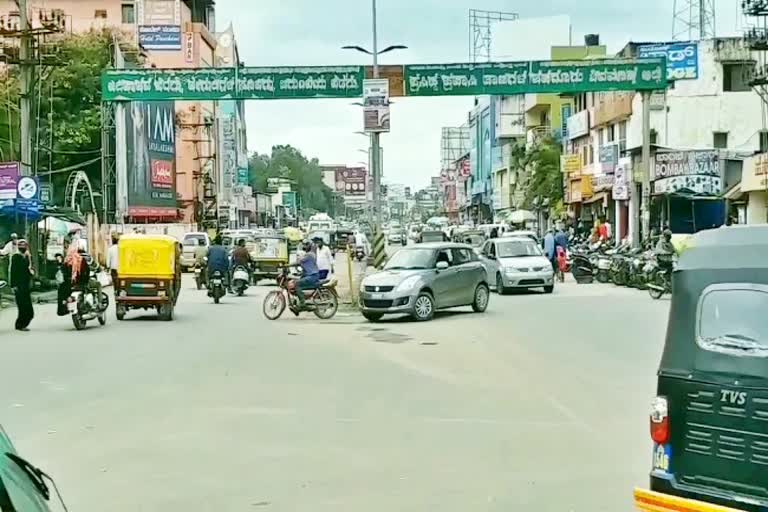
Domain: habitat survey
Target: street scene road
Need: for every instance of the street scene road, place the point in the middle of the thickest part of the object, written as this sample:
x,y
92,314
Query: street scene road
x,y
224,410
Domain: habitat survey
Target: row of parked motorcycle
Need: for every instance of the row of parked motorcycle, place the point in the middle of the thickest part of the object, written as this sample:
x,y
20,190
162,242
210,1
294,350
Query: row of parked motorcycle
x,y
622,265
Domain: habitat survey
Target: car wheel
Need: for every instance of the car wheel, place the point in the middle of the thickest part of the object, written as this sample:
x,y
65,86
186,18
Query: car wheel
x,y
549,289
120,311
424,307
482,296
500,285
373,317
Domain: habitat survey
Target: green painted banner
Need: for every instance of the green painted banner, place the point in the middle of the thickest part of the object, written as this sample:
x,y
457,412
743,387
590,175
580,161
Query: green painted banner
x,y
506,78
232,83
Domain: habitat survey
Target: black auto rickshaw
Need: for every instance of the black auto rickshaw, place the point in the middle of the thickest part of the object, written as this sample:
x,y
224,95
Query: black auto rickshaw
x,y
344,238
709,420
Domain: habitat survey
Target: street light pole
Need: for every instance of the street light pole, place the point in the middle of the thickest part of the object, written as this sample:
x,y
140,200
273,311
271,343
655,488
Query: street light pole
x,y
375,142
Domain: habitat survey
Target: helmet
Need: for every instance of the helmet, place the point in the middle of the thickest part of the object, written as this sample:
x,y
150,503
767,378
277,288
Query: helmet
x,y
306,246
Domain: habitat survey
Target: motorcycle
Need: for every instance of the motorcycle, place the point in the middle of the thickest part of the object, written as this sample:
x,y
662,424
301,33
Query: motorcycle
x,y
200,272
322,301
90,304
660,282
216,287
359,253
240,280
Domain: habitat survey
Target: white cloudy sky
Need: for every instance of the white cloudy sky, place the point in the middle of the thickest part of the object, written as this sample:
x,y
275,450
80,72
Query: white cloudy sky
x,y
311,32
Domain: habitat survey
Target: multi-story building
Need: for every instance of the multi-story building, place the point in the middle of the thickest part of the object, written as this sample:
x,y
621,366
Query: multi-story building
x,y
171,34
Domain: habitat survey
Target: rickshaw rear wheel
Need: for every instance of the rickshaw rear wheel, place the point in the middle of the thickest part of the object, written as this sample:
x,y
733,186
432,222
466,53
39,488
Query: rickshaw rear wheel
x,y
120,311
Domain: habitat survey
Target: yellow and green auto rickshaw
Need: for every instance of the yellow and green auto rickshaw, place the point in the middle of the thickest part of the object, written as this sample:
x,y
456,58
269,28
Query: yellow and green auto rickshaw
x,y
268,256
149,274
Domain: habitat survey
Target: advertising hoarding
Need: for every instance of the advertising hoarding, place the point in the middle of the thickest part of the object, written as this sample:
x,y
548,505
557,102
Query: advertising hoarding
x,y
351,181
376,105
9,177
160,24
682,58
696,171
151,148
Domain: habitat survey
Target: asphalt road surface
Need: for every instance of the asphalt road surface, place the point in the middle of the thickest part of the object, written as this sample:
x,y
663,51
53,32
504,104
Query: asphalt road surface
x,y
539,404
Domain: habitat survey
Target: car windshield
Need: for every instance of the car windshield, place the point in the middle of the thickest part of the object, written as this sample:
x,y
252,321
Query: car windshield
x,y
517,249
732,320
193,240
410,259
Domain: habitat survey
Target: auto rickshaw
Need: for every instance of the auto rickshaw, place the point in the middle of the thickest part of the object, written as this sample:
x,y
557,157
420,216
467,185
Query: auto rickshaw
x,y
344,238
269,255
149,274
708,419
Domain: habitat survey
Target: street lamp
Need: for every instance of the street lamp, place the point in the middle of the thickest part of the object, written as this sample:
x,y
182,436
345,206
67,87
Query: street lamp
x,y
376,156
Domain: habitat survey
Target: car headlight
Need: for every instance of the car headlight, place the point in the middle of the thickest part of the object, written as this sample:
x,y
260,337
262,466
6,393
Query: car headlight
x,y
408,284
510,270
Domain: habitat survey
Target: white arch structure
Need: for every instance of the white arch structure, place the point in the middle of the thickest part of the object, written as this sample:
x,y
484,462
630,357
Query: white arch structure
x,y
78,180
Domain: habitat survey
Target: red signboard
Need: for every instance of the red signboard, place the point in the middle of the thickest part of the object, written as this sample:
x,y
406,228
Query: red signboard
x,y
162,174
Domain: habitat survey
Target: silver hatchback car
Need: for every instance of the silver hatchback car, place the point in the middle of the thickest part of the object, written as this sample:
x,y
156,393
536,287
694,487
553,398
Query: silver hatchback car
x,y
420,279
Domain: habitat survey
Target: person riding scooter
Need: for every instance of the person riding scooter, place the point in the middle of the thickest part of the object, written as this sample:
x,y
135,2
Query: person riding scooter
x,y
218,260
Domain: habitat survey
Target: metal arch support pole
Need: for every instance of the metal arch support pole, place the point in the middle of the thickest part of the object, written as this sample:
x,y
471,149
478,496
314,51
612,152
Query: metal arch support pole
x,y
646,170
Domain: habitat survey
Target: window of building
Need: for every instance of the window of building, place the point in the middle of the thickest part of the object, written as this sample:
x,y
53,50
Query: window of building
x,y
720,140
591,154
602,137
736,77
623,130
129,13
611,133
100,14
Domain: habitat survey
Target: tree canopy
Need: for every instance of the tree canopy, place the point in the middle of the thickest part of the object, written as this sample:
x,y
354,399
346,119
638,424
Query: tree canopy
x,y
544,178
67,105
289,163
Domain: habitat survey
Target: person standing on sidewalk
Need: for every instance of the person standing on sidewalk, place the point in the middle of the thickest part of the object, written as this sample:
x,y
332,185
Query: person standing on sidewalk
x,y
9,250
324,258
21,282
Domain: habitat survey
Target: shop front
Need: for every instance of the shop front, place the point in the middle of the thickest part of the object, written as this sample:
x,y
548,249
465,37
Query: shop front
x,y
754,185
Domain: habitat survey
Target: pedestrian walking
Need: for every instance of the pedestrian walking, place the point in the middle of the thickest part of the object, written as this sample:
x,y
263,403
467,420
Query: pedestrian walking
x,y
113,260
549,248
324,258
21,282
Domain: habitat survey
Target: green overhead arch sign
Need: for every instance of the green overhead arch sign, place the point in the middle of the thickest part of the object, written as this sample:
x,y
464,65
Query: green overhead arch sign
x,y
498,78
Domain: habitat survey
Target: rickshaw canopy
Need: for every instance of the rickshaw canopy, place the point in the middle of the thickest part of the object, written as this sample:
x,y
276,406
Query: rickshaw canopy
x,y
148,256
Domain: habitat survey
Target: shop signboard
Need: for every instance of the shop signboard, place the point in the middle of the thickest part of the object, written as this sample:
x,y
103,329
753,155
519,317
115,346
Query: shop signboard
x,y
695,171
160,24
289,201
603,182
151,157
682,58
587,189
608,157
565,113
578,125
621,179
9,177
571,165
755,173
376,105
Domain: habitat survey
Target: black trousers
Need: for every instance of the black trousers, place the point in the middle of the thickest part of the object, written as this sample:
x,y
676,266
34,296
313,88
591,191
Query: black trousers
x,y
24,308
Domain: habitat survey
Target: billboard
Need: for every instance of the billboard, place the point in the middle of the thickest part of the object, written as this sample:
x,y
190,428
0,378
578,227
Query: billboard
x,y
351,181
682,58
160,24
151,158
376,105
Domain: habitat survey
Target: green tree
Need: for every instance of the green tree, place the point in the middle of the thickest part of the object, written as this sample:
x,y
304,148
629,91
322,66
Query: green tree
x,y
289,163
541,163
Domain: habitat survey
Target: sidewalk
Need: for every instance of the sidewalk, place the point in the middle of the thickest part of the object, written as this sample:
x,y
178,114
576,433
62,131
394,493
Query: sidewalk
x,y
7,301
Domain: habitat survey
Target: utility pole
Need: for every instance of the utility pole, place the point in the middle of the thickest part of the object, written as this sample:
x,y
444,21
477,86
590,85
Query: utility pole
x,y
646,170
26,78
375,142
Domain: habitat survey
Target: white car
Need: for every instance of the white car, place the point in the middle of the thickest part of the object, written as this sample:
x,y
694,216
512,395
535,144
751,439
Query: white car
x,y
517,262
189,244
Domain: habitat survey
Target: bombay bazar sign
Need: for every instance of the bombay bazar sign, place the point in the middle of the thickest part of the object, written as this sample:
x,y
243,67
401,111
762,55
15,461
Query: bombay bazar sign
x,y
502,78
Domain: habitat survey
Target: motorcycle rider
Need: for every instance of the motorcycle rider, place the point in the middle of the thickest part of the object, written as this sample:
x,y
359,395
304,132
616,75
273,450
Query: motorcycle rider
x,y
310,274
218,260
665,251
201,252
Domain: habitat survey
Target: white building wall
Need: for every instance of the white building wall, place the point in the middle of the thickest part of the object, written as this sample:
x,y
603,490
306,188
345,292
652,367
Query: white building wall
x,y
697,108
757,207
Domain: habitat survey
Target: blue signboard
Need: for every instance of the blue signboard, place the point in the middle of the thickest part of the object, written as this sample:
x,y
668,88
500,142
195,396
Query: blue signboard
x,y
682,58
28,193
565,113
160,37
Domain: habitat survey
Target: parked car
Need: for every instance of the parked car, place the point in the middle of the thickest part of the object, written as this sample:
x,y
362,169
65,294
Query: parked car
x,y
396,237
420,279
189,243
516,262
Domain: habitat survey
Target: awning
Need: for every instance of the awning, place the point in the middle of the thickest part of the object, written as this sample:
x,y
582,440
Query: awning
x,y
600,196
734,193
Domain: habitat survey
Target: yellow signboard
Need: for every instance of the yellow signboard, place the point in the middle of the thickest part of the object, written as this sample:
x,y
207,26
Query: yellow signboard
x,y
587,189
571,165
755,173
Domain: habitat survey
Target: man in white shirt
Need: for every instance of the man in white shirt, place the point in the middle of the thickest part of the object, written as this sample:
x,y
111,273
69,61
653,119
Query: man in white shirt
x,y
9,250
113,259
361,241
324,258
